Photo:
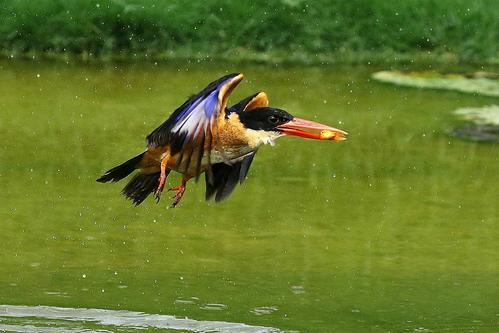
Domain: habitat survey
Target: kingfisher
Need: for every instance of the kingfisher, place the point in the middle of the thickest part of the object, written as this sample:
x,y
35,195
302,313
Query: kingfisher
x,y
203,135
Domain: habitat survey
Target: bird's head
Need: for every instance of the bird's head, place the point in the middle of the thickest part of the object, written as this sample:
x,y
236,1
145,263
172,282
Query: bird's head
x,y
278,122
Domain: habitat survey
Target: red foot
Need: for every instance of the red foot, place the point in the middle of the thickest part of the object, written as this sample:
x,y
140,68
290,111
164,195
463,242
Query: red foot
x,y
179,192
159,189
161,183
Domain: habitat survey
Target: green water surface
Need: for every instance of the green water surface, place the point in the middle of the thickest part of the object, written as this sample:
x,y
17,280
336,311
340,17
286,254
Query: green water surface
x,y
394,230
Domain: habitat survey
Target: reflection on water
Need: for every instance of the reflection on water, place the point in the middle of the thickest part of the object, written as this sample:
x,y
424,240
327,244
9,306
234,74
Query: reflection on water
x,y
213,306
264,310
39,329
41,319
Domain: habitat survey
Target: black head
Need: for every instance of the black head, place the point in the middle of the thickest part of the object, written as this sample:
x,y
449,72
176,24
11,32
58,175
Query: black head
x,y
265,118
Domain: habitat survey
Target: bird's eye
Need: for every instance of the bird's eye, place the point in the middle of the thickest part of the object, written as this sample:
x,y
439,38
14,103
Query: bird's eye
x,y
273,119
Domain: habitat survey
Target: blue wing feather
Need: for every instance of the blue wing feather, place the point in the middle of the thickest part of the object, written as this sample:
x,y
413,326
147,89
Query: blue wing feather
x,y
192,122
209,102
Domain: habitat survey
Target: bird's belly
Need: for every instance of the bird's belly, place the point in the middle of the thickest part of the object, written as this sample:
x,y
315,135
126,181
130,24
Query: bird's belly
x,y
228,154
189,166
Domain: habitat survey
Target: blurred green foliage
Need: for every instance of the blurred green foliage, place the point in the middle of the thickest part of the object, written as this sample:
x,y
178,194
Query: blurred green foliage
x,y
462,30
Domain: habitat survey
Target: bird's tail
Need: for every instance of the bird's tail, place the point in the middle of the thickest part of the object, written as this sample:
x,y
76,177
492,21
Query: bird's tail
x,y
122,170
140,187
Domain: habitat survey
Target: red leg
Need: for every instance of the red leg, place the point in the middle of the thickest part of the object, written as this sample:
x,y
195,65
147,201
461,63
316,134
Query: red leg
x,y
179,191
161,182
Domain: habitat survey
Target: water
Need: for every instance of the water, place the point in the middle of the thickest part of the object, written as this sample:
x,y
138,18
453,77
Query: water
x,y
393,230
62,319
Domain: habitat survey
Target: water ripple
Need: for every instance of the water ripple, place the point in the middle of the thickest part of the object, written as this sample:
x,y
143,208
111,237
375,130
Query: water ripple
x,y
264,310
117,318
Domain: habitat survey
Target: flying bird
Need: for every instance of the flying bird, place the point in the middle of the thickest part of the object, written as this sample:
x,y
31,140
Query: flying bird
x,y
203,135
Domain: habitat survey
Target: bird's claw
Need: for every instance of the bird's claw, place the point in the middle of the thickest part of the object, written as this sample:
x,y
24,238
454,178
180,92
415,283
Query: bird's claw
x,y
179,192
157,195
159,189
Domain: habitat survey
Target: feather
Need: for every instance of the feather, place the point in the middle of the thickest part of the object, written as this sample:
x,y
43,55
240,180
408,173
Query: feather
x,y
200,111
226,176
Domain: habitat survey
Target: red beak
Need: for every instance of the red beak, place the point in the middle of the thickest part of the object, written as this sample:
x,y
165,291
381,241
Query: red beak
x,y
299,127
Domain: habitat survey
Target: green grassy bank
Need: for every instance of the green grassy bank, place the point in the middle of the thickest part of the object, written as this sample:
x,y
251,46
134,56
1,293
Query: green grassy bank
x,y
308,31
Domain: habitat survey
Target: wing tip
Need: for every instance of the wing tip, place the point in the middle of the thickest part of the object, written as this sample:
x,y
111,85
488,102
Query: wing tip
x,y
239,76
227,87
259,100
235,78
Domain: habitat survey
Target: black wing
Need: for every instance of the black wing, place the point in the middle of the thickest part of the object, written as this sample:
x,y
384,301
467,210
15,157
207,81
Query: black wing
x,y
226,176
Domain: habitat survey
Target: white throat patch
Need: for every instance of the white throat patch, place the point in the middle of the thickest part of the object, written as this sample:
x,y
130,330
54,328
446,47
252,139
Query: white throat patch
x,y
261,137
